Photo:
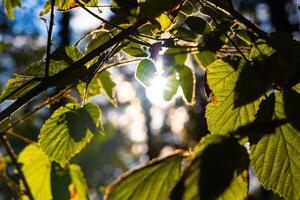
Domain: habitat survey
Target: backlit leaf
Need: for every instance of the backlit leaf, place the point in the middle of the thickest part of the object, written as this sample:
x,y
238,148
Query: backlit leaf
x,y
68,131
171,86
135,50
9,7
78,188
17,87
187,83
275,158
154,180
222,116
205,58
36,167
220,171
145,72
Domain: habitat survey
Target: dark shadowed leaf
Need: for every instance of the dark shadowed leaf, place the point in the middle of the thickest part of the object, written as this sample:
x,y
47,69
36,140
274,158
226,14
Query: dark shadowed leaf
x,y
198,24
220,171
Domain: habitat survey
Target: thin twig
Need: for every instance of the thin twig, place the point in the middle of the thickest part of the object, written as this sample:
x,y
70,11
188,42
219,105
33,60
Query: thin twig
x,y
13,157
230,10
27,115
47,64
120,63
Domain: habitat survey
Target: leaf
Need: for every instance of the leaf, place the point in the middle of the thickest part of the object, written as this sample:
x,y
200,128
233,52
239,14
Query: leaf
x,y
171,86
145,72
165,21
65,5
13,88
198,25
251,85
108,85
38,69
205,58
246,36
275,158
220,171
150,9
68,131
97,40
222,117
185,34
134,49
151,181
174,57
101,82
78,188
261,50
187,83
36,167
9,7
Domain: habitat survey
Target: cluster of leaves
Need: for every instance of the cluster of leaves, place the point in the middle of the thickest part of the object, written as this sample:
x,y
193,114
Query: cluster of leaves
x,y
253,89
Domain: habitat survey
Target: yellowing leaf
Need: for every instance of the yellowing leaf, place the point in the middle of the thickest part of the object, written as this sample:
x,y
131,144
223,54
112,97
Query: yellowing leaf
x,y
68,131
151,181
78,188
9,7
36,167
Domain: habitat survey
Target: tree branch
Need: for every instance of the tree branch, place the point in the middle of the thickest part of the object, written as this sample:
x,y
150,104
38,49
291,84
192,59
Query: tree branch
x,y
51,81
47,64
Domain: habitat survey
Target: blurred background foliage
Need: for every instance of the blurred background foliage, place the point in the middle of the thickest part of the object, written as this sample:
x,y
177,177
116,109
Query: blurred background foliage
x,y
143,126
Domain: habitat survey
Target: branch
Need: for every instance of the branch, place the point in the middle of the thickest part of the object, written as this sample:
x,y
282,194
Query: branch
x,y
242,19
13,157
51,81
49,39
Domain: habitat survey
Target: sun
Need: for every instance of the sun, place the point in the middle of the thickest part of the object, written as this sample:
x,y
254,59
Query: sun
x,y
155,92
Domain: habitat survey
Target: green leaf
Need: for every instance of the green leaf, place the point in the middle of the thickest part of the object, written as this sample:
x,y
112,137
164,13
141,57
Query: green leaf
x,y
134,49
198,25
65,5
261,50
222,117
145,72
220,171
187,82
9,7
171,86
97,40
184,34
275,158
38,69
68,131
17,87
150,9
78,188
174,57
246,36
36,167
101,82
152,181
205,58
